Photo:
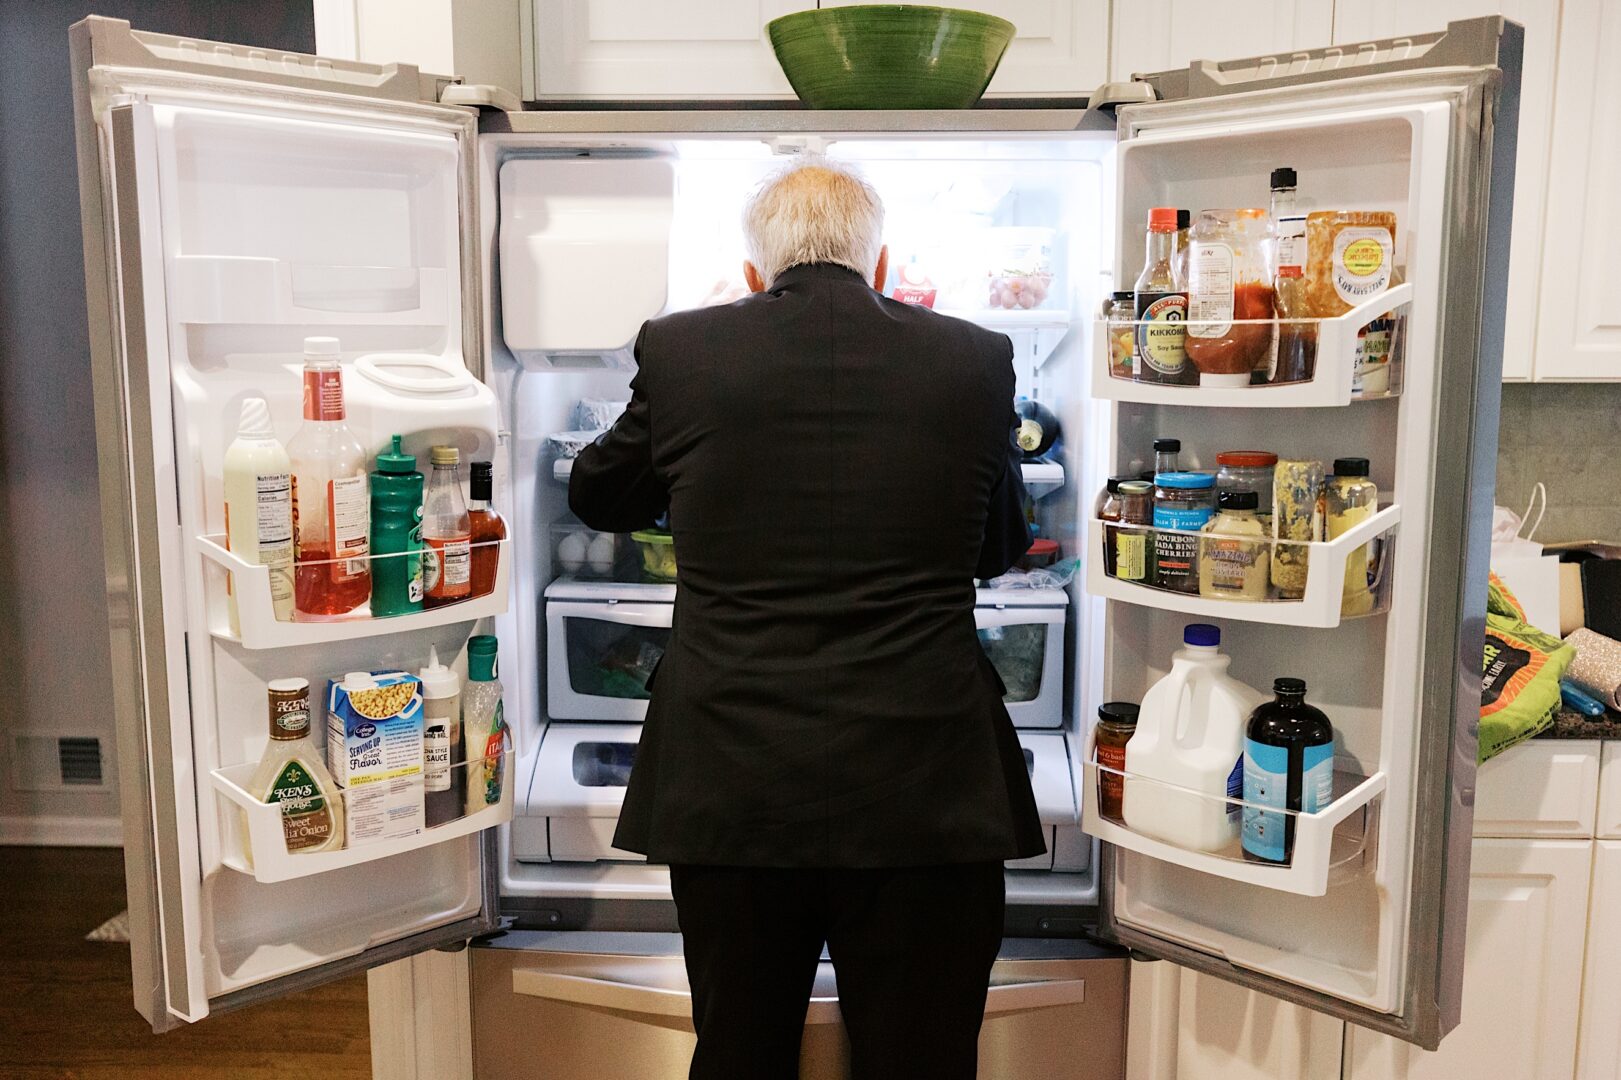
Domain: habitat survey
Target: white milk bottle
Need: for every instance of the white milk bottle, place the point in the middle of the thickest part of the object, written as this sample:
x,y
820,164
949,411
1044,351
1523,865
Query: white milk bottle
x,y
1190,738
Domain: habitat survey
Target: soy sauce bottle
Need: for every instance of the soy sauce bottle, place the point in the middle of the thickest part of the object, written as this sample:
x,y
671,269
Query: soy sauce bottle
x,y
1288,764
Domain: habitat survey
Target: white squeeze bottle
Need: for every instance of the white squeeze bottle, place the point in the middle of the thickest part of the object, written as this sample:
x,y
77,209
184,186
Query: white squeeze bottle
x,y
259,506
1190,736
443,776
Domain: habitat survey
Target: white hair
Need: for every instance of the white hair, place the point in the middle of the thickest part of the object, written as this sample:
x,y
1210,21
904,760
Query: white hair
x,y
813,211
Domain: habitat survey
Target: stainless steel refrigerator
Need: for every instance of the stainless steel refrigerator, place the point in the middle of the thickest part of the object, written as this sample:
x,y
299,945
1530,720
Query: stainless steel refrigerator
x,y
485,268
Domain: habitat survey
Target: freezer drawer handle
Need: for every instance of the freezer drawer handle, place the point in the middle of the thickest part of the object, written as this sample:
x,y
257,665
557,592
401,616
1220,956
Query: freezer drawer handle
x,y
661,1001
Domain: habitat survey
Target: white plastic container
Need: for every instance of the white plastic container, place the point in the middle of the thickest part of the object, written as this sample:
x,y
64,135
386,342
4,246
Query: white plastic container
x,y
1190,734
259,506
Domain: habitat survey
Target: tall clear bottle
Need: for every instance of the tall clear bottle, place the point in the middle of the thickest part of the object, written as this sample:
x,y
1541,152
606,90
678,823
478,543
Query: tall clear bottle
x,y
484,726
1297,342
447,533
1162,307
259,506
331,508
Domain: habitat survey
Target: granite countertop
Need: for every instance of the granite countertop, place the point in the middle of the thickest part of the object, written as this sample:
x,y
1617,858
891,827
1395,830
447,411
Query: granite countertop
x,y
1570,724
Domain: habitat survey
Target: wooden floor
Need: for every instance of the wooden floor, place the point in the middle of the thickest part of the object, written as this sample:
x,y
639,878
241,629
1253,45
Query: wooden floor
x,y
65,1003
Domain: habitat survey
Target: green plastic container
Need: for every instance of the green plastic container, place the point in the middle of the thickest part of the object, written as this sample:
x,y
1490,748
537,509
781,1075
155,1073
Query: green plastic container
x,y
396,534
658,553
889,56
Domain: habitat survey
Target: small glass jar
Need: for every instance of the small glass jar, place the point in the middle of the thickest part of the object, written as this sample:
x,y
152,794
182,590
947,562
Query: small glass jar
x,y
1182,501
1352,498
1129,550
1117,722
1120,316
1234,555
1248,470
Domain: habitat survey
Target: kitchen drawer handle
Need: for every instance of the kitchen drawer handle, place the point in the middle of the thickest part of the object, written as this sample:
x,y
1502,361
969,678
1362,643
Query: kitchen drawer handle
x,y
662,1001
633,997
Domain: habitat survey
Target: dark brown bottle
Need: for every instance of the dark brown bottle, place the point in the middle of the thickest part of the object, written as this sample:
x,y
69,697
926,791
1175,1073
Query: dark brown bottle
x,y
1288,764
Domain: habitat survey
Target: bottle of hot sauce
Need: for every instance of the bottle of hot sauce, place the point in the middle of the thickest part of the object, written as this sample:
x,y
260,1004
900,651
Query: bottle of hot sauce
x,y
488,528
447,532
331,507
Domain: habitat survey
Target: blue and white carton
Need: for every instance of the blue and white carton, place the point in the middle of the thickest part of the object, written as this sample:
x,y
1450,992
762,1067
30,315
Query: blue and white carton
x,y
374,727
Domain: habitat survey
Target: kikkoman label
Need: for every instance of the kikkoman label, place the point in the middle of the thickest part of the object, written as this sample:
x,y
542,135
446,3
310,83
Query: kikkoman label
x,y
306,821
1162,333
1362,261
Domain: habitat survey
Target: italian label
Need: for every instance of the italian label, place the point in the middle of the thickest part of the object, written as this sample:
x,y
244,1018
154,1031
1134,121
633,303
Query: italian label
x,y
1162,332
448,567
1029,437
349,511
1131,555
486,773
274,524
1362,263
436,757
306,820
1175,554
1266,784
1210,301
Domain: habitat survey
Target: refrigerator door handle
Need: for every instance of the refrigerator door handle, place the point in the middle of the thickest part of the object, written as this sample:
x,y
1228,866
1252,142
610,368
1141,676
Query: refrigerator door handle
x,y
677,1004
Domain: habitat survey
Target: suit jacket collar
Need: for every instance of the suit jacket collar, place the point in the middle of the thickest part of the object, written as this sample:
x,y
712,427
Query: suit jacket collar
x,y
816,272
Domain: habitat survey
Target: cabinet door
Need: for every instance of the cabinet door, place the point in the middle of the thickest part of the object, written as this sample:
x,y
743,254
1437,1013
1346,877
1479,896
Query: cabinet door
x,y
1521,977
1598,1053
1156,35
1544,787
672,49
1579,325
1362,20
1609,793
1186,1026
1060,47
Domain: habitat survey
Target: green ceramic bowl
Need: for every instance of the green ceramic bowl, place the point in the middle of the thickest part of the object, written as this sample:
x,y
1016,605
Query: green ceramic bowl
x,y
889,56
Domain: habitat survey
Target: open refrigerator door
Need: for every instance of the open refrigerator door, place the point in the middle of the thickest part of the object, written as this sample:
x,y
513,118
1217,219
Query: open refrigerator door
x,y
1362,914
236,204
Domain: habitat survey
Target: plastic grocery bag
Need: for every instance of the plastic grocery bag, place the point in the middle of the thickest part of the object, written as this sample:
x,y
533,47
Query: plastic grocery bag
x,y
1519,691
1056,576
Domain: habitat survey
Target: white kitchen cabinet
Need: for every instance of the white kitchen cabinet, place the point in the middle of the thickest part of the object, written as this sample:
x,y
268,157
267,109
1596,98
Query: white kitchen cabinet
x,y
1598,1050
1186,1026
1544,787
672,49
1155,35
1609,793
1522,973
1061,47
1363,20
1579,328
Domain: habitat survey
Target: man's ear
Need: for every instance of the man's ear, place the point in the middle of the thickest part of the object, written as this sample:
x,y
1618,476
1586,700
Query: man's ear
x,y
752,276
882,271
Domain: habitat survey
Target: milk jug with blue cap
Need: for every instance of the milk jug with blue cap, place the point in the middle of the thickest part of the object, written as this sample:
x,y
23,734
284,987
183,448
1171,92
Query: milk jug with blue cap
x,y
1187,753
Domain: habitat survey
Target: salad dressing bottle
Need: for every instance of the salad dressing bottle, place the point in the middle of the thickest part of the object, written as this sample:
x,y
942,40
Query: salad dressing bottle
x,y
484,726
293,773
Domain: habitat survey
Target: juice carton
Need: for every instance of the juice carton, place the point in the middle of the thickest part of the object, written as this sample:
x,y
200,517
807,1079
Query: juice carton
x,y
374,749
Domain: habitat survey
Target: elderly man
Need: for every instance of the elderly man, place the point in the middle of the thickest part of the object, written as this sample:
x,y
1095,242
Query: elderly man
x,y
826,759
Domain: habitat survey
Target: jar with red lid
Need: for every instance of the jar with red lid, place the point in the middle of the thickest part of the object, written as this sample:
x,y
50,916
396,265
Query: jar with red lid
x,y
1041,554
1248,470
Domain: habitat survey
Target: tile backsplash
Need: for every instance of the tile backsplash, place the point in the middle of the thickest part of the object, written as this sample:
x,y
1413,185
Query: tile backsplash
x,y
1567,435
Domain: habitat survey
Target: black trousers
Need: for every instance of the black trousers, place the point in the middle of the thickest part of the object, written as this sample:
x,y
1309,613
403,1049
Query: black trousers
x,y
912,949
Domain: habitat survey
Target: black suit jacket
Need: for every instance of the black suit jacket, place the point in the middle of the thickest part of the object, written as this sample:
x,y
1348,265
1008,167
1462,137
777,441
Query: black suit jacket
x,y
837,468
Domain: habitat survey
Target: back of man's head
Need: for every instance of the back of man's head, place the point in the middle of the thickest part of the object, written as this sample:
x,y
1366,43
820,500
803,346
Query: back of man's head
x,y
813,211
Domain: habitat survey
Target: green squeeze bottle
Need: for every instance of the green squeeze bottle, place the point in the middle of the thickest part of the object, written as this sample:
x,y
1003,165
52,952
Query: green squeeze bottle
x,y
396,534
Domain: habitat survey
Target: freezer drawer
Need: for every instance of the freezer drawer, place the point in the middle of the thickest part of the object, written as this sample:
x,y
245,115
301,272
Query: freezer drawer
x,y
1022,631
618,1005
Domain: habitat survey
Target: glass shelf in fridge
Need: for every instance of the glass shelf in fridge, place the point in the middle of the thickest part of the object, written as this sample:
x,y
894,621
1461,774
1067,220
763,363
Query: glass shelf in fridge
x,y
256,841
1322,566
1327,376
1330,846
258,627
1040,477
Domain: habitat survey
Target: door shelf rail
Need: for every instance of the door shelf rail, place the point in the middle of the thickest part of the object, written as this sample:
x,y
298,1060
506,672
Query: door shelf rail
x,y
1327,382
1040,477
1331,845
256,843
260,629
1323,604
